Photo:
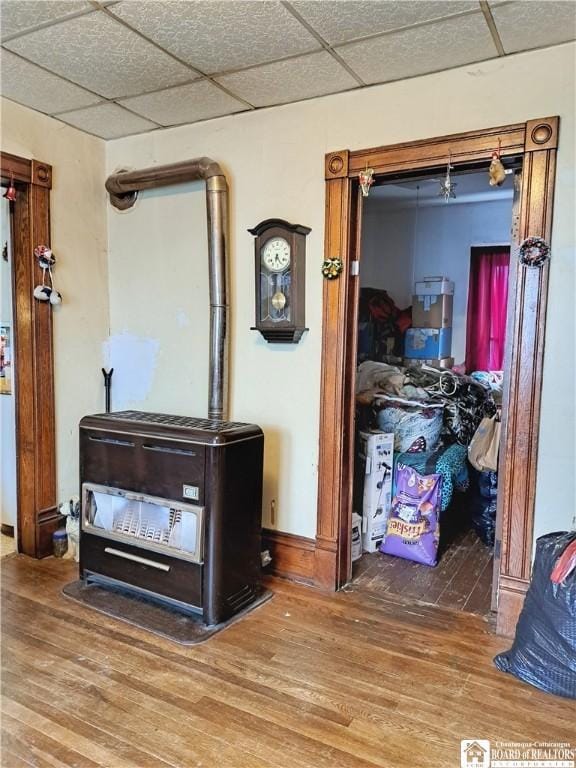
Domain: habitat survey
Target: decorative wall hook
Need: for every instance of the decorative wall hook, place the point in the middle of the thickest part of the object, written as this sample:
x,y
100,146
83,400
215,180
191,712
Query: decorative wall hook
x,y
534,252
332,268
366,179
10,193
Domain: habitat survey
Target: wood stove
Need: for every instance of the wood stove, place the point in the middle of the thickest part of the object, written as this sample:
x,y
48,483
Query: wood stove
x,y
171,508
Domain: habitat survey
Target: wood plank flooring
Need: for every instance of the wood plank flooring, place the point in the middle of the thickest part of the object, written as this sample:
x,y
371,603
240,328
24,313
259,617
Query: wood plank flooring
x,y
462,580
347,680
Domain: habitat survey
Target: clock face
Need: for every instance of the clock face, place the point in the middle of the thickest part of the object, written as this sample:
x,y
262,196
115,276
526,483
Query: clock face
x,y
276,254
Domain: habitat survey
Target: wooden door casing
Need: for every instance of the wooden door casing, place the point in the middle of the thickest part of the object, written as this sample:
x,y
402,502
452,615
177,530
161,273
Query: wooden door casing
x,y
535,142
38,515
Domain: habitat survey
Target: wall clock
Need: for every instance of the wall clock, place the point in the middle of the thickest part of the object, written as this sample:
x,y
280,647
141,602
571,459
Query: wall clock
x,y
280,260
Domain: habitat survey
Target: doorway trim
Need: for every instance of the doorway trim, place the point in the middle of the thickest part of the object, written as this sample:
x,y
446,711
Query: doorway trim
x,y
535,143
37,513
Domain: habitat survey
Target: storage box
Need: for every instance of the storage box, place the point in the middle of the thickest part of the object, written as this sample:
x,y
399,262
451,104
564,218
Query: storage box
x,y
378,448
434,286
430,310
444,363
427,343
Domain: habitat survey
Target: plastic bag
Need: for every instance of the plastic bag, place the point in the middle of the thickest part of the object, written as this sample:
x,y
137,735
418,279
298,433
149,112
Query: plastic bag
x,y
413,529
483,449
409,420
483,506
544,649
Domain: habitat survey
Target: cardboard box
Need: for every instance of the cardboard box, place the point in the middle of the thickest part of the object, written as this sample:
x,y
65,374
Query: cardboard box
x,y
378,448
430,310
434,286
356,537
444,363
428,343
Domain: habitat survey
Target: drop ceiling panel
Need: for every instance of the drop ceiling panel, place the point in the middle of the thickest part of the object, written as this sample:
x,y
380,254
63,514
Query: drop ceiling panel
x,y
109,121
340,20
292,80
29,85
19,15
217,36
416,51
103,55
185,104
528,24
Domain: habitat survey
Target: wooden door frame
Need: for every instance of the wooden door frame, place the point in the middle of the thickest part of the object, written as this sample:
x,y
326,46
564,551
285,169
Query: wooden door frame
x,y
38,514
535,142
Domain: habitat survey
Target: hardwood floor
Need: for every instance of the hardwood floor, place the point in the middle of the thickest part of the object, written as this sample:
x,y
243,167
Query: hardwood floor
x,y
347,680
462,580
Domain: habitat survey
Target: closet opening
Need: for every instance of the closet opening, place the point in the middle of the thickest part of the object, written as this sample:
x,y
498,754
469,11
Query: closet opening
x,y
430,371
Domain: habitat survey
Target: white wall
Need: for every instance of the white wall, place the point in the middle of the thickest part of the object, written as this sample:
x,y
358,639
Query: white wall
x,y
8,497
387,255
78,229
445,235
401,245
274,160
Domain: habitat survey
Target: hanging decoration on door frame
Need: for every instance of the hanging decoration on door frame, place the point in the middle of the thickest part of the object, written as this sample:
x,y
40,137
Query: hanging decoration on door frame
x,y
332,268
496,171
366,179
534,252
10,193
447,186
46,291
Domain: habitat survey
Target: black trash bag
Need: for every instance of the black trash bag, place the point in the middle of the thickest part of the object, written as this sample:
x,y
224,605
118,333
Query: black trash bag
x,y
484,519
544,649
483,503
488,484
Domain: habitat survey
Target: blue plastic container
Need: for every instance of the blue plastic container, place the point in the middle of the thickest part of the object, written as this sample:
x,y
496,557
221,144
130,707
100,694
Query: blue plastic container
x,y
427,343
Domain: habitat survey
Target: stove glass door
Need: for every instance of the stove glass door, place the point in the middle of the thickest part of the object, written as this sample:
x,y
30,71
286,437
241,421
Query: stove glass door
x,y
146,521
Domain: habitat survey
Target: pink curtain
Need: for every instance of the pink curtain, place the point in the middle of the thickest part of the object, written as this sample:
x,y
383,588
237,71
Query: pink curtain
x,y
487,299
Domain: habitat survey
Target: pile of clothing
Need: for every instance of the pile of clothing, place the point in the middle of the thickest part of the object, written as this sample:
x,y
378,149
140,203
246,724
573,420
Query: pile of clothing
x,y
465,401
434,415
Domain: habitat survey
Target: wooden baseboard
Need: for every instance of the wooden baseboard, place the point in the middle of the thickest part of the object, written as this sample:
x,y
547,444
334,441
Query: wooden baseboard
x,y
511,594
326,564
292,556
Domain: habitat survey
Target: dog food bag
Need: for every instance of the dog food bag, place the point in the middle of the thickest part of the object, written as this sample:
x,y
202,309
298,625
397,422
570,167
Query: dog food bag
x,y
413,528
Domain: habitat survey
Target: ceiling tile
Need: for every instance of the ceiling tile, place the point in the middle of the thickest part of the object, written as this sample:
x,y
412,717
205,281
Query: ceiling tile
x,y
29,85
442,45
185,104
340,20
103,55
19,15
529,24
109,121
216,36
292,80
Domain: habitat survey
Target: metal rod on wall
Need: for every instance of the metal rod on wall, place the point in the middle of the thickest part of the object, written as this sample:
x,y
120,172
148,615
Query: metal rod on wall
x,y
123,188
107,386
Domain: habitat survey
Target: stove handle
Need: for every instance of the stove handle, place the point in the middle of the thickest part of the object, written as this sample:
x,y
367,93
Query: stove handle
x,y
168,449
136,559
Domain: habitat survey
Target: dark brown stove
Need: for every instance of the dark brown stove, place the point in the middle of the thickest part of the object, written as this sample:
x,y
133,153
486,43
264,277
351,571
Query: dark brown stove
x,y
171,507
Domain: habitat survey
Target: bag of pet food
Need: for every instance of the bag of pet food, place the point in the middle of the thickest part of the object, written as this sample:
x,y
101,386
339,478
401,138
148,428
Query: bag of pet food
x,y
413,529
